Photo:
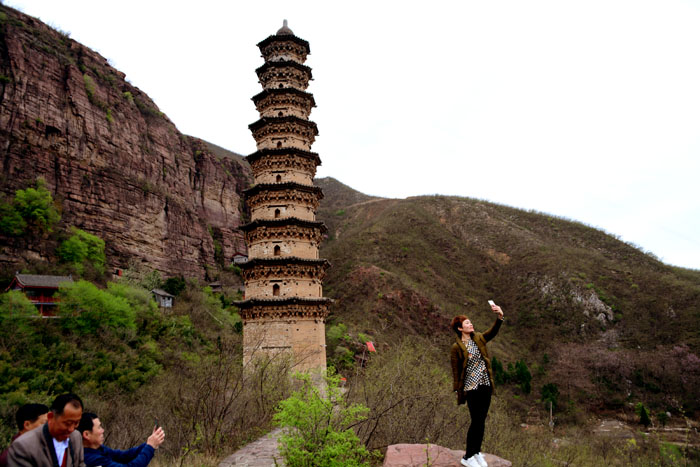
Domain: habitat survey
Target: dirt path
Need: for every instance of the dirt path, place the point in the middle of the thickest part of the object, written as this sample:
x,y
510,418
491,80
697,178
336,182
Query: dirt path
x,y
262,452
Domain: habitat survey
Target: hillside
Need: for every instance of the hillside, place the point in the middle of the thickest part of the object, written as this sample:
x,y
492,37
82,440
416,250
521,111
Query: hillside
x,y
581,305
118,167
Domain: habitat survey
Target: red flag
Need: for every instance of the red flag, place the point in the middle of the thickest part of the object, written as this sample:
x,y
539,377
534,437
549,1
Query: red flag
x,y
370,346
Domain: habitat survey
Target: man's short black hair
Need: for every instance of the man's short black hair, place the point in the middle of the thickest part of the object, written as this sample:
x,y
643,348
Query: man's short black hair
x,y
87,422
29,413
59,404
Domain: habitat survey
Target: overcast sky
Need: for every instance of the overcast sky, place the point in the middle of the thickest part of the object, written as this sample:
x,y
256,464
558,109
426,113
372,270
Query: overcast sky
x,y
588,110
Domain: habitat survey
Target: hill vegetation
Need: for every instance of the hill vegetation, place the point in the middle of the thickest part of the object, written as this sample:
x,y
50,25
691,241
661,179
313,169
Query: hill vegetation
x,y
595,320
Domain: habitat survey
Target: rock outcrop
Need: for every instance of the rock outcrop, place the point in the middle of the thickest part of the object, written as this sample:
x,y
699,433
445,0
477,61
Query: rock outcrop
x,y
419,455
118,166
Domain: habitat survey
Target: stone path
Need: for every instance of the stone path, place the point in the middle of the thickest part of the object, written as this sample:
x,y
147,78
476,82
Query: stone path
x,y
262,452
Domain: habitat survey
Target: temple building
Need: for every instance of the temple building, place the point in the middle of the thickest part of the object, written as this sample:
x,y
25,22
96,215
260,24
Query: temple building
x,y
284,310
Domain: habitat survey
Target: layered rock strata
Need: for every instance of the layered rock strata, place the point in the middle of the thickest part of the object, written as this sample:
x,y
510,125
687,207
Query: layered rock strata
x,y
118,166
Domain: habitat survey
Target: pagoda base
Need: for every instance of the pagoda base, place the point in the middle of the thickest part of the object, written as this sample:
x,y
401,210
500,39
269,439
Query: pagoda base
x,y
285,329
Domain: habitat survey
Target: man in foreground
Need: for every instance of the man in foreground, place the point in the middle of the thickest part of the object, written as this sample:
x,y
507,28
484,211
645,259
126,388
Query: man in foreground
x,y
54,444
28,417
97,454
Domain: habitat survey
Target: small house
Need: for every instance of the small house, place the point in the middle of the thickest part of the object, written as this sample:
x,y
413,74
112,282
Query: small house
x,y
40,290
239,258
163,298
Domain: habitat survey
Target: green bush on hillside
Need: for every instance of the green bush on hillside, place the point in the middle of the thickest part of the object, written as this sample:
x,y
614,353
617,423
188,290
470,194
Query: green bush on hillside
x,y
318,426
85,309
81,249
643,414
174,285
16,311
550,393
11,221
30,207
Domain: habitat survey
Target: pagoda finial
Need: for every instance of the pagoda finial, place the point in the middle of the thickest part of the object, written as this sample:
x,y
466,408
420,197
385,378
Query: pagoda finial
x,y
284,30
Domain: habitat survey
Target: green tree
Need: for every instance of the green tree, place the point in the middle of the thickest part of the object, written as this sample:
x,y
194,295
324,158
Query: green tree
x,y
318,423
643,413
550,393
16,312
85,309
520,375
36,206
83,248
174,285
500,376
11,221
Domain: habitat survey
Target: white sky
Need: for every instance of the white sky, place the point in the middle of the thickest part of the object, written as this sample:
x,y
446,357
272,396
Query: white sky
x,y
588,110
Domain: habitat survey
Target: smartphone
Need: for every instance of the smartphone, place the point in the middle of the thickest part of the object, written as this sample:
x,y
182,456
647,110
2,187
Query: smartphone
x,y
157,424
491,303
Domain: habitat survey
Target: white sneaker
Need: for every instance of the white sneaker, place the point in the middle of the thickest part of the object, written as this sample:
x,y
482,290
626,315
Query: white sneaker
x,y
471,462
480,459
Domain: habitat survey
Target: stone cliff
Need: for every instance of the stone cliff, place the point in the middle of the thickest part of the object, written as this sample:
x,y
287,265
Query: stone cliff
x,y
118,166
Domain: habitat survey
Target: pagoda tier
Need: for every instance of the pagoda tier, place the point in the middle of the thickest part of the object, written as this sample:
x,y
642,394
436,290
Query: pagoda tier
x,y
284,74
290,131
287,276
284,102
284,47
280,200
284,165
284,237
283,307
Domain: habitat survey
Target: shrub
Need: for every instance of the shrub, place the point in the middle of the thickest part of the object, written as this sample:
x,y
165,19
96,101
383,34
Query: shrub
x,y
83,248
85,309
11,221
523,376
550,393
89,87
318,426
174,285
500,376
643,414
15,313
31,206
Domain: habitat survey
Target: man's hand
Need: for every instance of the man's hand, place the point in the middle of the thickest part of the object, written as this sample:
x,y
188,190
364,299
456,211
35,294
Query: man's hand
x,y
497,309
156,438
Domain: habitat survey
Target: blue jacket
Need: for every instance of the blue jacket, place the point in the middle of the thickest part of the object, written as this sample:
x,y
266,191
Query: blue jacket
x,y
138,456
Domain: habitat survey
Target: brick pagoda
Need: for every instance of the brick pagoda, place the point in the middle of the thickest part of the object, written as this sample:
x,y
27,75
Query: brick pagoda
x,y
284,309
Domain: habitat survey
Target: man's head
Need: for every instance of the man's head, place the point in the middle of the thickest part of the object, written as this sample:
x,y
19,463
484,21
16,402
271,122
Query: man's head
x,y
91,429
30,416
64,416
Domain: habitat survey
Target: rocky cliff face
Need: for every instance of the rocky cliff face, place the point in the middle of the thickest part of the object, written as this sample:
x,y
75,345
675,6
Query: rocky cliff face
x,y
118,166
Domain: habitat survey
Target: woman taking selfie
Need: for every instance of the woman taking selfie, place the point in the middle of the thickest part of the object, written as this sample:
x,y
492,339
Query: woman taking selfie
x,y
473,379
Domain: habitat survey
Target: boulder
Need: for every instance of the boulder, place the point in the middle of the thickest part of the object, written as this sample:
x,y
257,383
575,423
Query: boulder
x,y
419,455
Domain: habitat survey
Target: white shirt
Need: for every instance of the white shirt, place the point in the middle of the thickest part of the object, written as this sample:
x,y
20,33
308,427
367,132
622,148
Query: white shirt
x,y
60,447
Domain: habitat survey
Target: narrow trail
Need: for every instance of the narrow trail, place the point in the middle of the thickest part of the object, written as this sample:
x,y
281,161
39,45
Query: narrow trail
x,y
262,452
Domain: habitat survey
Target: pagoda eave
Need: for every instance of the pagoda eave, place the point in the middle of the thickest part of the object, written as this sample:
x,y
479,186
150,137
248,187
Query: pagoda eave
x,y
283,64
276,91
251,302
283,260
283,222
272,187
283,152
287,119
284,38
